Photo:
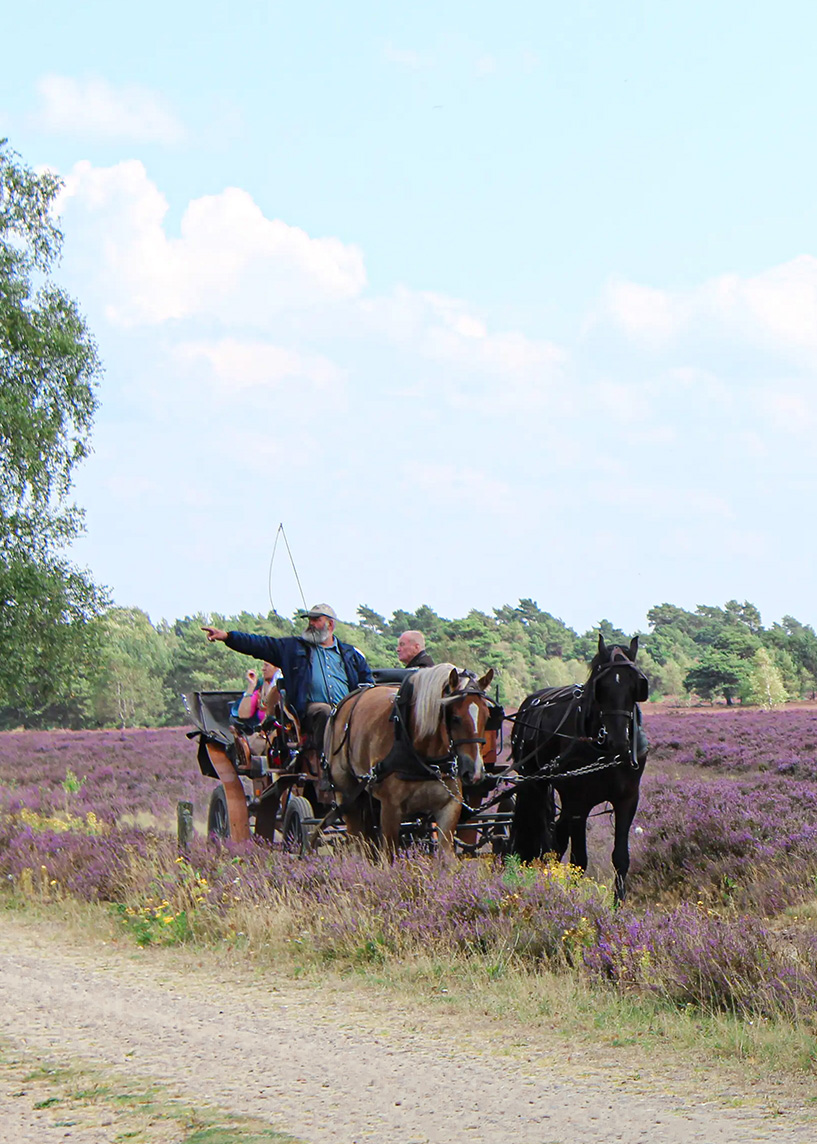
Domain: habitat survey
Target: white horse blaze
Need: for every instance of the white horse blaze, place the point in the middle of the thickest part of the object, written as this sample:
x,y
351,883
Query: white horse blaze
x,y
479,765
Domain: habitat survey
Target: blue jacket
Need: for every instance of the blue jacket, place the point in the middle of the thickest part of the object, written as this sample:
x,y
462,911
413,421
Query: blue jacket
x,y
294,657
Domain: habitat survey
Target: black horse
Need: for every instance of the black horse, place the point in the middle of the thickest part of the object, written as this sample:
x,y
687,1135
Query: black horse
x,y
588,744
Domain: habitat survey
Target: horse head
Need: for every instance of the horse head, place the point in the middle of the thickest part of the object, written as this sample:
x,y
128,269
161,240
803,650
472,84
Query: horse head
x,y
450,710
616,686
466,710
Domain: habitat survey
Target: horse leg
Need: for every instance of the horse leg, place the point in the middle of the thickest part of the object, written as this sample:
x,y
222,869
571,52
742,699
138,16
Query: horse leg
x,y
358,821
447,820
390,819
578,840
624,814
561,835
532,825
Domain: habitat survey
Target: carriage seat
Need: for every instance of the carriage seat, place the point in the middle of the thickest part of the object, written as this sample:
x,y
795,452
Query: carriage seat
x,y
393,675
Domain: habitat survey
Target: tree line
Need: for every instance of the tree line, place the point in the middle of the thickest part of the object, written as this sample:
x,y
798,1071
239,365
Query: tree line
x,y
136,671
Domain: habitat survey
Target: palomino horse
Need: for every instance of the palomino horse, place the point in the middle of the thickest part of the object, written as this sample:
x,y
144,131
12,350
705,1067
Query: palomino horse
x,y
586,743
410,752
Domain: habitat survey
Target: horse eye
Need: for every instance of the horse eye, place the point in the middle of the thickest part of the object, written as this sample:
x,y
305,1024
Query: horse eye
x,y
456,719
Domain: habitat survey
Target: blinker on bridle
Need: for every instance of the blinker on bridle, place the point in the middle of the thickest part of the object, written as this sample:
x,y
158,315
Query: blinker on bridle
x,y
447,700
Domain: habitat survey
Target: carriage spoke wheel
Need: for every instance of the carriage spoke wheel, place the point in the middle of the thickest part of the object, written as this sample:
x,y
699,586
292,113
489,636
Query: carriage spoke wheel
x,y
218,817
500,843
297,835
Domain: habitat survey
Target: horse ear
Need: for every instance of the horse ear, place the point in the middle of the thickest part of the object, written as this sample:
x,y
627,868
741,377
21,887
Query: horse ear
x,y
633,648
486,679
453,680
602,645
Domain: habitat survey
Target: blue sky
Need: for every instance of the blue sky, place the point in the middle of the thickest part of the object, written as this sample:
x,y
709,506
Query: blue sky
x,y
482,302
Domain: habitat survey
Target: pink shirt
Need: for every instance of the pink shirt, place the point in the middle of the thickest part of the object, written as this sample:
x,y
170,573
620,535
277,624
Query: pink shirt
x,y
257,709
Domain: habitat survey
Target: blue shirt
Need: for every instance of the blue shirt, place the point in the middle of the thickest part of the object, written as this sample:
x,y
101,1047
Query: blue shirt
x,y
294,657
328,683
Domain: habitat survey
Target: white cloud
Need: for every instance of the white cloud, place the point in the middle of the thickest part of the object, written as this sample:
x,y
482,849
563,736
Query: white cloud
x,y
229,263
237,365
790,412
444,329
642,312
95,109
232,266
620,402
776,309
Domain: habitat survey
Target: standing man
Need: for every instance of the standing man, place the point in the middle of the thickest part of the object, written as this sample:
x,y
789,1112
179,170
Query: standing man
x,y
411,650
318,669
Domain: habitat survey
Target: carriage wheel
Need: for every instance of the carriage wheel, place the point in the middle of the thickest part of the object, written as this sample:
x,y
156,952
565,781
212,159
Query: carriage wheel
x,y
501,840
297,835
218,817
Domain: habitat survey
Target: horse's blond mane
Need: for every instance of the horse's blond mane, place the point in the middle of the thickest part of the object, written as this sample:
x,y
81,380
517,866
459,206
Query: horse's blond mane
x,y
429,683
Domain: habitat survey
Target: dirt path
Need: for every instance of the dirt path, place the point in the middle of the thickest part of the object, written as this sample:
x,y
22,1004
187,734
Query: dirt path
x,y
340,1064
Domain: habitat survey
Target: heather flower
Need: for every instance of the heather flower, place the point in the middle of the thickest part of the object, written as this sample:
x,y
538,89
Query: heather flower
x,y
727,820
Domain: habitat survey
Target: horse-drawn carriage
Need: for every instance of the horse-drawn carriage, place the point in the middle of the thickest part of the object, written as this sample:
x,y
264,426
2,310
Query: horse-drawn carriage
x,y
387,775
416,759
278,793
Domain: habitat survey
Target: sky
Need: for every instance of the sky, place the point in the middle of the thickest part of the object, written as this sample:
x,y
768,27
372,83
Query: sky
x,y
480,301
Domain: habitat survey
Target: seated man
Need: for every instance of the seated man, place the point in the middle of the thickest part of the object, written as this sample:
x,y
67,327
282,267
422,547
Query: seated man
x,y
318,669
411,650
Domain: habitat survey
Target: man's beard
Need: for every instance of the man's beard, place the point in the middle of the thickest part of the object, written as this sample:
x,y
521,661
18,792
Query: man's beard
x,y
314,636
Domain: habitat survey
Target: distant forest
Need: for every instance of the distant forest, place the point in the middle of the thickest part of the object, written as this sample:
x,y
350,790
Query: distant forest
x,y
138,670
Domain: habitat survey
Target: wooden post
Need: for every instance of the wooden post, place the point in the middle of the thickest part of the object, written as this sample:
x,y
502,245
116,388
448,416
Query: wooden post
x,y
184,823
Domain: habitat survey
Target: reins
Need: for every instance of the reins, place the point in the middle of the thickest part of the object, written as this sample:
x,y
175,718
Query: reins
x,y
431,764
550,771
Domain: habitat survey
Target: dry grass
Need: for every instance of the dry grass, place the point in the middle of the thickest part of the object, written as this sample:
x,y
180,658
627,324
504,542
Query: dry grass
x,y
552,1009
66,1093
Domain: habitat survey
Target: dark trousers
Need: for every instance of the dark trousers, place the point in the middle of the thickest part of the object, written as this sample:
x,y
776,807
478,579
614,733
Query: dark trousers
x,y
317,716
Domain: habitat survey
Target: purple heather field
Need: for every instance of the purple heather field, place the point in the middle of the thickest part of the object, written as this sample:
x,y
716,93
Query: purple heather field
x,y
724,858
723,791
124,772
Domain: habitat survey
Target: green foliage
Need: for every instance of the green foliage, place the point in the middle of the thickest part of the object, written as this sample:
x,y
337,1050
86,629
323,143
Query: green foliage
x,y
139,671
372,621
72,784
48,375
766,687
744,613
154,925
196,665
719,672
670,616
134,660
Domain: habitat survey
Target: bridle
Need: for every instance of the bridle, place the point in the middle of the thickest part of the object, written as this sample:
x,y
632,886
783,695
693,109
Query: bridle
x,y
617,662
449,700
435,764
572,698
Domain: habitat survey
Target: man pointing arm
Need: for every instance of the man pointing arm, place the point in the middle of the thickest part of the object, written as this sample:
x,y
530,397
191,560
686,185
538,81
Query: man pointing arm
x,y
318,668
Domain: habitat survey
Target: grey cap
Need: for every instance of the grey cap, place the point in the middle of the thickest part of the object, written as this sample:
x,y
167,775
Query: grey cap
x,y
321,610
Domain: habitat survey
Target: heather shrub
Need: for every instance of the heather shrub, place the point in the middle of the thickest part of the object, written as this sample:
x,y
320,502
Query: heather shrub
x,y
370,911
115,774
727,820
83,865
751,841
783,741
691,956
350,911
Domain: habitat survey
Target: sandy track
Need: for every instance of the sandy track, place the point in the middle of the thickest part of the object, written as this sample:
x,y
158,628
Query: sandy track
x,y
341,1065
